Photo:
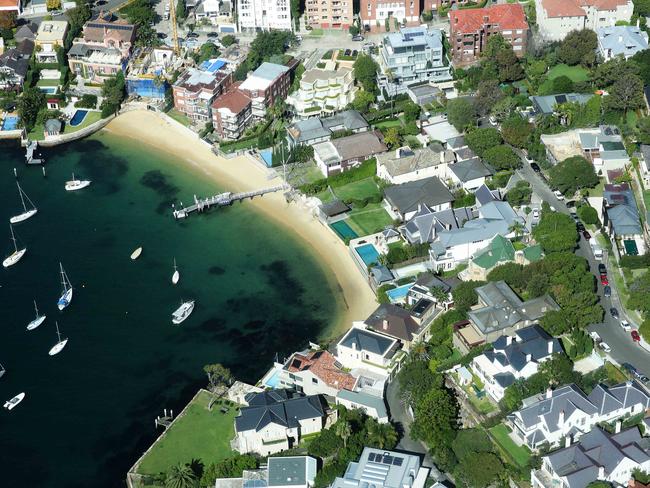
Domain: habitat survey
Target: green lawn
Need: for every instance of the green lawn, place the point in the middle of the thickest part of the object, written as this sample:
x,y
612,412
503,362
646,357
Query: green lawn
x,y
45,82
199,434
370,219
90,118
520,454
388,123
575,73
36,134
646,198
316,32
358,189
179,117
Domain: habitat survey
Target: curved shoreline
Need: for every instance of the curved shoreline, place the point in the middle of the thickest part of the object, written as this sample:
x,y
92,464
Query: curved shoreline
x,y
242,174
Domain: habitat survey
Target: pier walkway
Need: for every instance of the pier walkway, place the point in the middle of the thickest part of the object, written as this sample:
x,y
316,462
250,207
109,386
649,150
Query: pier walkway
x,y
222,200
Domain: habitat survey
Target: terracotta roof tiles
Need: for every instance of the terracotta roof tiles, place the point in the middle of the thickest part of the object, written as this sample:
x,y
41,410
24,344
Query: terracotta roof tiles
x,y
508,16
324,366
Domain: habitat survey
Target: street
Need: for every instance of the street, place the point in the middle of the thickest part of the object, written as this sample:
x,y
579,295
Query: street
x,y
623,348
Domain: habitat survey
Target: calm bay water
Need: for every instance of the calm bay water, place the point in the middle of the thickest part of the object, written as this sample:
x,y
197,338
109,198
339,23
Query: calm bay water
x,y
89,411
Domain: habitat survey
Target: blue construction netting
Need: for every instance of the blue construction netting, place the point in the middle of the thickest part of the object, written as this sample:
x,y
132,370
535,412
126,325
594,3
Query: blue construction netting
x,y
146,87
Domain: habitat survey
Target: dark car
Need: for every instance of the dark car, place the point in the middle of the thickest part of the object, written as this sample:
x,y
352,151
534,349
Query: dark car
x,y
607,291
535,167
586,235
602,269
629,368
212,34
613,312
580,226
192,35
161,35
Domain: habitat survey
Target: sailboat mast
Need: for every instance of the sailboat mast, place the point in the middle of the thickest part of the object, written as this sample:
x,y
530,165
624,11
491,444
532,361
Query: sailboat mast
x,y
62,277
58,334
13,237
36,308
22,200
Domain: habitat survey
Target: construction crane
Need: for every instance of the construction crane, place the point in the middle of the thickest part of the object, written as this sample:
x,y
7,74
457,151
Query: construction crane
x,y
172,19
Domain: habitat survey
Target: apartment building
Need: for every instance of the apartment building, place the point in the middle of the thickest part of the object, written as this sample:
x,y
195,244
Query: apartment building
x,y
231,113
412,55
50,35
196,89
329,14
256,15
268,83
387,15
472,28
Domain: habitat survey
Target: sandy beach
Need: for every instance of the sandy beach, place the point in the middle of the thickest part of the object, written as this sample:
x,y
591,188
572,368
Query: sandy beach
x,y
242,174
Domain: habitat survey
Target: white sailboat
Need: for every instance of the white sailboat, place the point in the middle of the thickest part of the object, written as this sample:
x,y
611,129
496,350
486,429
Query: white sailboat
x,y
11,404
26,213
176,276
2,370
66,295
16,255
37,321
182,312
60,344
75,184
136,254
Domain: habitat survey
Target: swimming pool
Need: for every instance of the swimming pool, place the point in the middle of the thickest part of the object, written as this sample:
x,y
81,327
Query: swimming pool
x,y
50,90
10,122
368,254
78,117
399,293
343,230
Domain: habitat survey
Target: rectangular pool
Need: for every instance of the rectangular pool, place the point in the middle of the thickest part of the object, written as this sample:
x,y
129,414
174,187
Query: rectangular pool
x,y
49,90
399,293
10,122
343,230
368,254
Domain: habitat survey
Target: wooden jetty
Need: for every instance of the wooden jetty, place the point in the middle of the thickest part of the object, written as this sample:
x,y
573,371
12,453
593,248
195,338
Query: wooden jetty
x,y
222,200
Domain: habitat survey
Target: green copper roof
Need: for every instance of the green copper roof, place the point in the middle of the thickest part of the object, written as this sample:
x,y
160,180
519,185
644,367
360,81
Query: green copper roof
x,y
500,249
533,253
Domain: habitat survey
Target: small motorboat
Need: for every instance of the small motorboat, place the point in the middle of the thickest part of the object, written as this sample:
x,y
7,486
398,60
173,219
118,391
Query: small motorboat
x,y
75,184
182,312
13,403
136,254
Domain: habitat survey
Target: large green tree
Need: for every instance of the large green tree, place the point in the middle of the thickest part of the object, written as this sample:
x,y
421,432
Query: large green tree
x,y
480,140
572,174
114,92
516,130
579,47
461,113
626,94
180,476
556,232
436,418
465,296
640,293
487,96
606,74
499,61
266,45
502,157
31,102
365,71
362,100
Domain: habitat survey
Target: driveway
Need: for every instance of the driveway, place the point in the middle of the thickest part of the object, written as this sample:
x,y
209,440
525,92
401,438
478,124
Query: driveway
x,y
623,348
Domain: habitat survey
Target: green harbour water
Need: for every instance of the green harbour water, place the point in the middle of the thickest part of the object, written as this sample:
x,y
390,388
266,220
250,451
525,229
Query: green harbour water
x,y
89,412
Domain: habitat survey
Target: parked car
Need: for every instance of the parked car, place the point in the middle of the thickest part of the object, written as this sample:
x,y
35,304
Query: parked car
x,y
357,38
614,312
635,335
161,35
535,213
558,195
535,167
580,226
586,234
605,347
212,34
603,280
607,291
192,35
602,269
626,325
629,368
595,336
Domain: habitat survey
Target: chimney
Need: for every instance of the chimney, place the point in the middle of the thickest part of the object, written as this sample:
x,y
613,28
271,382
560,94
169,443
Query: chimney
x,y
560,419
384,324
529,358
617,427
601,472
508,340
549,393
567,441
354,346
620,39
442,156
550,346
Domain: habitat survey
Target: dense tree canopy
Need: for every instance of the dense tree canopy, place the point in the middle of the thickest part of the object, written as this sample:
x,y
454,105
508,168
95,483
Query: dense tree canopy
x,y
640,293
556,232
579,47
516,130
461,113
29,105
365,72
114,92
499,61
626,94
563,84
480,140
267,44
465,295
572,174
520,194
487,95
502,157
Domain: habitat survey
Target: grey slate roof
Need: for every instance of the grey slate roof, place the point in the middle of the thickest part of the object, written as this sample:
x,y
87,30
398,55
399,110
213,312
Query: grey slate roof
x,y
456,142
528,344
484,195
367,341
622,210
625,40
546,104
316,128
291,471
404,160
27,31
394,321
470,169
276,406
428,191
365,399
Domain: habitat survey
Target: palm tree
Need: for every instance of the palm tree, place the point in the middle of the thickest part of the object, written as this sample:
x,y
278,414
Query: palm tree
x,y
344,431
381,435
180,476
518,228
439,293
419,351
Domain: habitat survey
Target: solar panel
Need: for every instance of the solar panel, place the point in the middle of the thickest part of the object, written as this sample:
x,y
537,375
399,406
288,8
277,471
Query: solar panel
x,y
387,459
397,461
371,456
560,98
110,26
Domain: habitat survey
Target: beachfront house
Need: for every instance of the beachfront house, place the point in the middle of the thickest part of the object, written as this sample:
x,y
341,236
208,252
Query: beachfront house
x,y
50,36
276,420
499,312
266,85
196,88
399,323
598,456
384,469
315,372
231,113
368,350
279,472
547,418
404,164
344,153
103,49
513,357
403,201
320,129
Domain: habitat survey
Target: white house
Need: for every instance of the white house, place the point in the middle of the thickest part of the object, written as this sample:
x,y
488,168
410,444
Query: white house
x,y
567,411
315,372
275,421
370,404
621,40
406,199
469,174
364,349
404,165
264,15
556,19
280,472
597,456
512,358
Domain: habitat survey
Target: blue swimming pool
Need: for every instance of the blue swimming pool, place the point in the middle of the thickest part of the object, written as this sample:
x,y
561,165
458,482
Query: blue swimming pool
x,y
368,254
78,117
10,122
49,90
399,293
273,380
343,230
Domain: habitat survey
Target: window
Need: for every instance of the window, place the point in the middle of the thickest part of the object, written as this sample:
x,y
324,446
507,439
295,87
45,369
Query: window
x,y
314,381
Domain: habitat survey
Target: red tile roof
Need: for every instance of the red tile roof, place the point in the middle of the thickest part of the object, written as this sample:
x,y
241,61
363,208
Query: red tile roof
x,y
234,99
10,3
563,8
603,4
324,366
508,16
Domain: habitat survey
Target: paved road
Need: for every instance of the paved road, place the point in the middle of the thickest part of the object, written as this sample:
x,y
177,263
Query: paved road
x,y
402,419
623,348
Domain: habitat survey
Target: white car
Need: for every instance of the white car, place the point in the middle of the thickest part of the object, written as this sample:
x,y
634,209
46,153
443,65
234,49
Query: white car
x,y
595,337
605,347
626,325
535,213
558,195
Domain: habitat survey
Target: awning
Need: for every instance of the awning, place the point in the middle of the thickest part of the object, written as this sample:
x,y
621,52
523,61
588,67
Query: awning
x,y
630,247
